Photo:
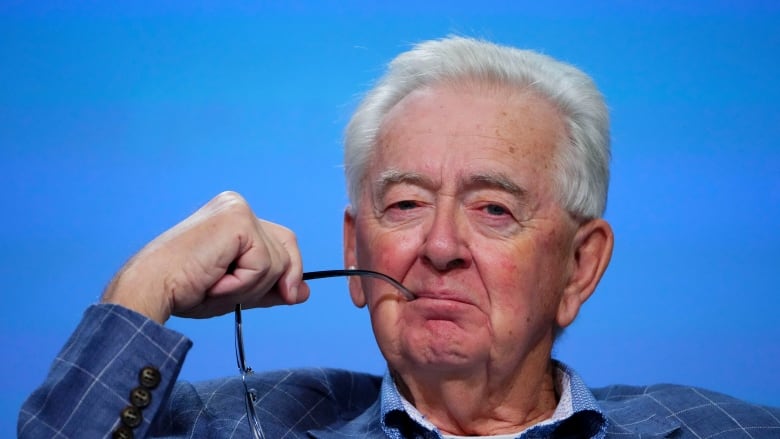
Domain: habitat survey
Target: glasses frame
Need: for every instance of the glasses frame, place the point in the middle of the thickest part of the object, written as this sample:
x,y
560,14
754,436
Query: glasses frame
x,y
250,395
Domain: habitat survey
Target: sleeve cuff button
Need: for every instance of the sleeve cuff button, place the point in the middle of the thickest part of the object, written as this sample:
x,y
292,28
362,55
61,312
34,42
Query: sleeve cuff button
x,y
140,397
149,377
131,416
122,433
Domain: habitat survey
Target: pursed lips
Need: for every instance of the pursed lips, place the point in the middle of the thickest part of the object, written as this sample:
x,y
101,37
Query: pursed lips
x,y
436,299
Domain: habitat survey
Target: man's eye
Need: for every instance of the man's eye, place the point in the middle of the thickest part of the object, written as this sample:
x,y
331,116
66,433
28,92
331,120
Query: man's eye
x,y
495,209
405,205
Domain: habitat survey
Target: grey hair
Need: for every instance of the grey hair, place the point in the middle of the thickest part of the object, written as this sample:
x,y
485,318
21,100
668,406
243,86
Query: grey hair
x,y
583,176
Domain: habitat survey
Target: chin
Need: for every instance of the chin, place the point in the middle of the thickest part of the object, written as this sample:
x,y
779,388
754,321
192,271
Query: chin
x,y
444,351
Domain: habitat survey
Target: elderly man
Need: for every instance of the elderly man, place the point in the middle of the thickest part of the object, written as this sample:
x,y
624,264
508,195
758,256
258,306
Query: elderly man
x,y
477,176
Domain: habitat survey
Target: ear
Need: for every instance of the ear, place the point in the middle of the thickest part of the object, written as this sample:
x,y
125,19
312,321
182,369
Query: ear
x,y
591,252
350,258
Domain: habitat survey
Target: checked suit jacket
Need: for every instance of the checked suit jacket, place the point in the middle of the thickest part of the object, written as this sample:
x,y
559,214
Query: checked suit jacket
x,y
99,388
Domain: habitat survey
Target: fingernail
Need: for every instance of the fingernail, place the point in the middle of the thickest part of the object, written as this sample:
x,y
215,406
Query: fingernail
x,y
294,293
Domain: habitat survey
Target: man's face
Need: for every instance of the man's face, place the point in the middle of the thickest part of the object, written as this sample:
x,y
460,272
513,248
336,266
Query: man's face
x,y
458,204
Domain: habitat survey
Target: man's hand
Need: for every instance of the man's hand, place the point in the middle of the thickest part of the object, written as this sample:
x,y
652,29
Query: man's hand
x,y
220,256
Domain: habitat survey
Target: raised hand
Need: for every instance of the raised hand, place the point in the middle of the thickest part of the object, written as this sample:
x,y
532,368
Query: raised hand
x,y
220,256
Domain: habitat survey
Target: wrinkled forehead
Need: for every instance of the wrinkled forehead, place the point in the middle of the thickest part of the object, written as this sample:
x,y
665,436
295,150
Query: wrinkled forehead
x,y
514,126
511,112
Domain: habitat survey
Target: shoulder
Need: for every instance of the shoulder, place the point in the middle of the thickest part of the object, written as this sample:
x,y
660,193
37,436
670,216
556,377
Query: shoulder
x,y
318,378
343,390
696,411
344,387
297,399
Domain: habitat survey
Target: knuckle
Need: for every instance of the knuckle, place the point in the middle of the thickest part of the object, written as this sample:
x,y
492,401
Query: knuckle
x,y
230,199
289,235
231,203
283,233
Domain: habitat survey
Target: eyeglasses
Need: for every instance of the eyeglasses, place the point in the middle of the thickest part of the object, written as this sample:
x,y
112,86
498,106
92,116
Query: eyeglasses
x,y
250,394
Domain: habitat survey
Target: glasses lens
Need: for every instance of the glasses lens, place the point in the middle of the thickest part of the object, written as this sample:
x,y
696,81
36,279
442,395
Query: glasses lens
x,y
254,423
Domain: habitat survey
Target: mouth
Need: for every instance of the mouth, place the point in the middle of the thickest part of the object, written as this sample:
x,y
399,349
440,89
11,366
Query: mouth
x,y
440,308
443,297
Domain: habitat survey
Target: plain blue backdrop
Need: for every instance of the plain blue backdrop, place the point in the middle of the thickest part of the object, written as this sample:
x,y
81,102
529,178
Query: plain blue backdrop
x,y
119,119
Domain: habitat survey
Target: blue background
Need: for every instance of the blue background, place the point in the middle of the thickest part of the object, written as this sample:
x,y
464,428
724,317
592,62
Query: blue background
x,y
118,120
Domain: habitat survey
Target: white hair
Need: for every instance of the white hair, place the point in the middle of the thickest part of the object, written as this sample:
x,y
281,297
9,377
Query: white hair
x,y
583,176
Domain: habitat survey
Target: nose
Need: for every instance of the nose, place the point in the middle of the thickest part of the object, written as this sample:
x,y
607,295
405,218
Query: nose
x,y
444,247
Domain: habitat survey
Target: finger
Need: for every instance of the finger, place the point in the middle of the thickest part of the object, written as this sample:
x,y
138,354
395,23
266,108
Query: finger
x,y
253,263
260,269
291,287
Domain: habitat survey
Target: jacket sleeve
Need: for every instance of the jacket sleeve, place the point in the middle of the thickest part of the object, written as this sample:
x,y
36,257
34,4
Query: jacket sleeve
x,y
110,379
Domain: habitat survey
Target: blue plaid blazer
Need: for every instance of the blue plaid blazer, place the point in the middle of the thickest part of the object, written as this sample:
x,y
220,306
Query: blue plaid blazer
x,y
99,387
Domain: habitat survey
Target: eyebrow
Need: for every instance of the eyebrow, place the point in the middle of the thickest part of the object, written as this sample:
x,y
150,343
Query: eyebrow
x,y
392,177
496,180
489,180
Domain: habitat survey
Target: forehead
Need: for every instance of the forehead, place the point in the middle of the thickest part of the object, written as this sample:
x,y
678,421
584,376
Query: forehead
x,y
465,126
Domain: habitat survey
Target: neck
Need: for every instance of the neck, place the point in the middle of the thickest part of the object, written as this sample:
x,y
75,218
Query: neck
x,y
484,402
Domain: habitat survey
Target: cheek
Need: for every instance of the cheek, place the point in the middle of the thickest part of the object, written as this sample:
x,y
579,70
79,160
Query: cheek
x,y
513,288
519,283
386,250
